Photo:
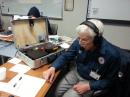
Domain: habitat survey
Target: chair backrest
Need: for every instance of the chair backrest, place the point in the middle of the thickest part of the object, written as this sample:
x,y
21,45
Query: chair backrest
x,y
54,28
121,86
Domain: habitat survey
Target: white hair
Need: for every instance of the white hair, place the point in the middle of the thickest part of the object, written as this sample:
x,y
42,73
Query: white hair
x,y
86,29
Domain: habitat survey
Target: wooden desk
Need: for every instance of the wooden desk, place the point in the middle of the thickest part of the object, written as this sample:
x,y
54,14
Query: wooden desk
x,y
36,73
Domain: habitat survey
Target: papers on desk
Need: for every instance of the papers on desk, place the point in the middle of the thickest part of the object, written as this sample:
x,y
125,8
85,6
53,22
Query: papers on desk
x,y
14,61
60,39
54,39
2,85
63,41
23,85
67,39
65,45
20,68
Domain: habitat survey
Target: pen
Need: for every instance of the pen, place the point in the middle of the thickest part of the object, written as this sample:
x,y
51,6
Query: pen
x,y
17,82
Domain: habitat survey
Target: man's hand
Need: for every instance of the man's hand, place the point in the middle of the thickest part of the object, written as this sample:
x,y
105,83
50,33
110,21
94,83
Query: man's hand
x,y
7,37
49,74
81,87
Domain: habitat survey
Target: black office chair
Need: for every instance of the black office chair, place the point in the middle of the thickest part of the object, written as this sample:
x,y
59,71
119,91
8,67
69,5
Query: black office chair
x,y
121,86
54,28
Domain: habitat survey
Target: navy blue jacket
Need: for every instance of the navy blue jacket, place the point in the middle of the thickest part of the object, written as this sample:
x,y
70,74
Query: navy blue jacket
x,y
105,60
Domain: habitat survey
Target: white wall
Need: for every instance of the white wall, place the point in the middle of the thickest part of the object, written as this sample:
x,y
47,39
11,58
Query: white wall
x,y
72,18
6,21
118,35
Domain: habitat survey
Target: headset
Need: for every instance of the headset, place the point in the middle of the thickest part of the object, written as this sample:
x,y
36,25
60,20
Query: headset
x,y
98,37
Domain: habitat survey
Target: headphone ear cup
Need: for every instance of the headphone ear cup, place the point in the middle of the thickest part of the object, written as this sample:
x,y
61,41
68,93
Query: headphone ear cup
x,y
97,40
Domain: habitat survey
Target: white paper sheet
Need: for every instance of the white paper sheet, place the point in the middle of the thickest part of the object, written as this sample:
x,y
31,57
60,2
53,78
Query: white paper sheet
x,y
2,85
65,45
14,61
24,85
20,68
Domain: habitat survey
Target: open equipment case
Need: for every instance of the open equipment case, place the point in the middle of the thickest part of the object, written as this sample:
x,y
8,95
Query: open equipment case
x,y
31,40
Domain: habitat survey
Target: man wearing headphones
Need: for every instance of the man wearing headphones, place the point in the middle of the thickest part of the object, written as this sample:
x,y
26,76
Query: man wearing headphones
x,y
96,63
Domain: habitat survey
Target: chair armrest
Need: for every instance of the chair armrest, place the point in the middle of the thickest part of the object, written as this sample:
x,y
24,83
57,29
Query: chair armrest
x,y
99,93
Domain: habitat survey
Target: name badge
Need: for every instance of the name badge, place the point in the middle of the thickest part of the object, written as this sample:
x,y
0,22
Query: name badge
x,y
94,75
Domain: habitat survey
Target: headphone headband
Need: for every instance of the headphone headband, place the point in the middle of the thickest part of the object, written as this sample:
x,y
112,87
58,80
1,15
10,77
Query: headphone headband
x,y
92,26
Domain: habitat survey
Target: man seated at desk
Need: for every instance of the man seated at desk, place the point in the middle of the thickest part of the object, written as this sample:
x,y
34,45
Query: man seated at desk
x,y
96,63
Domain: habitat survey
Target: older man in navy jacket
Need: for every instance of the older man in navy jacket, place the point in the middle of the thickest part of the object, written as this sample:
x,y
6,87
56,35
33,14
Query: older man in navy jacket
x,y
96,65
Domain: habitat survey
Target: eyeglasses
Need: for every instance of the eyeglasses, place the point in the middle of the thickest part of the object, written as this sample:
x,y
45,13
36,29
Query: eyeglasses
x,y
86,40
